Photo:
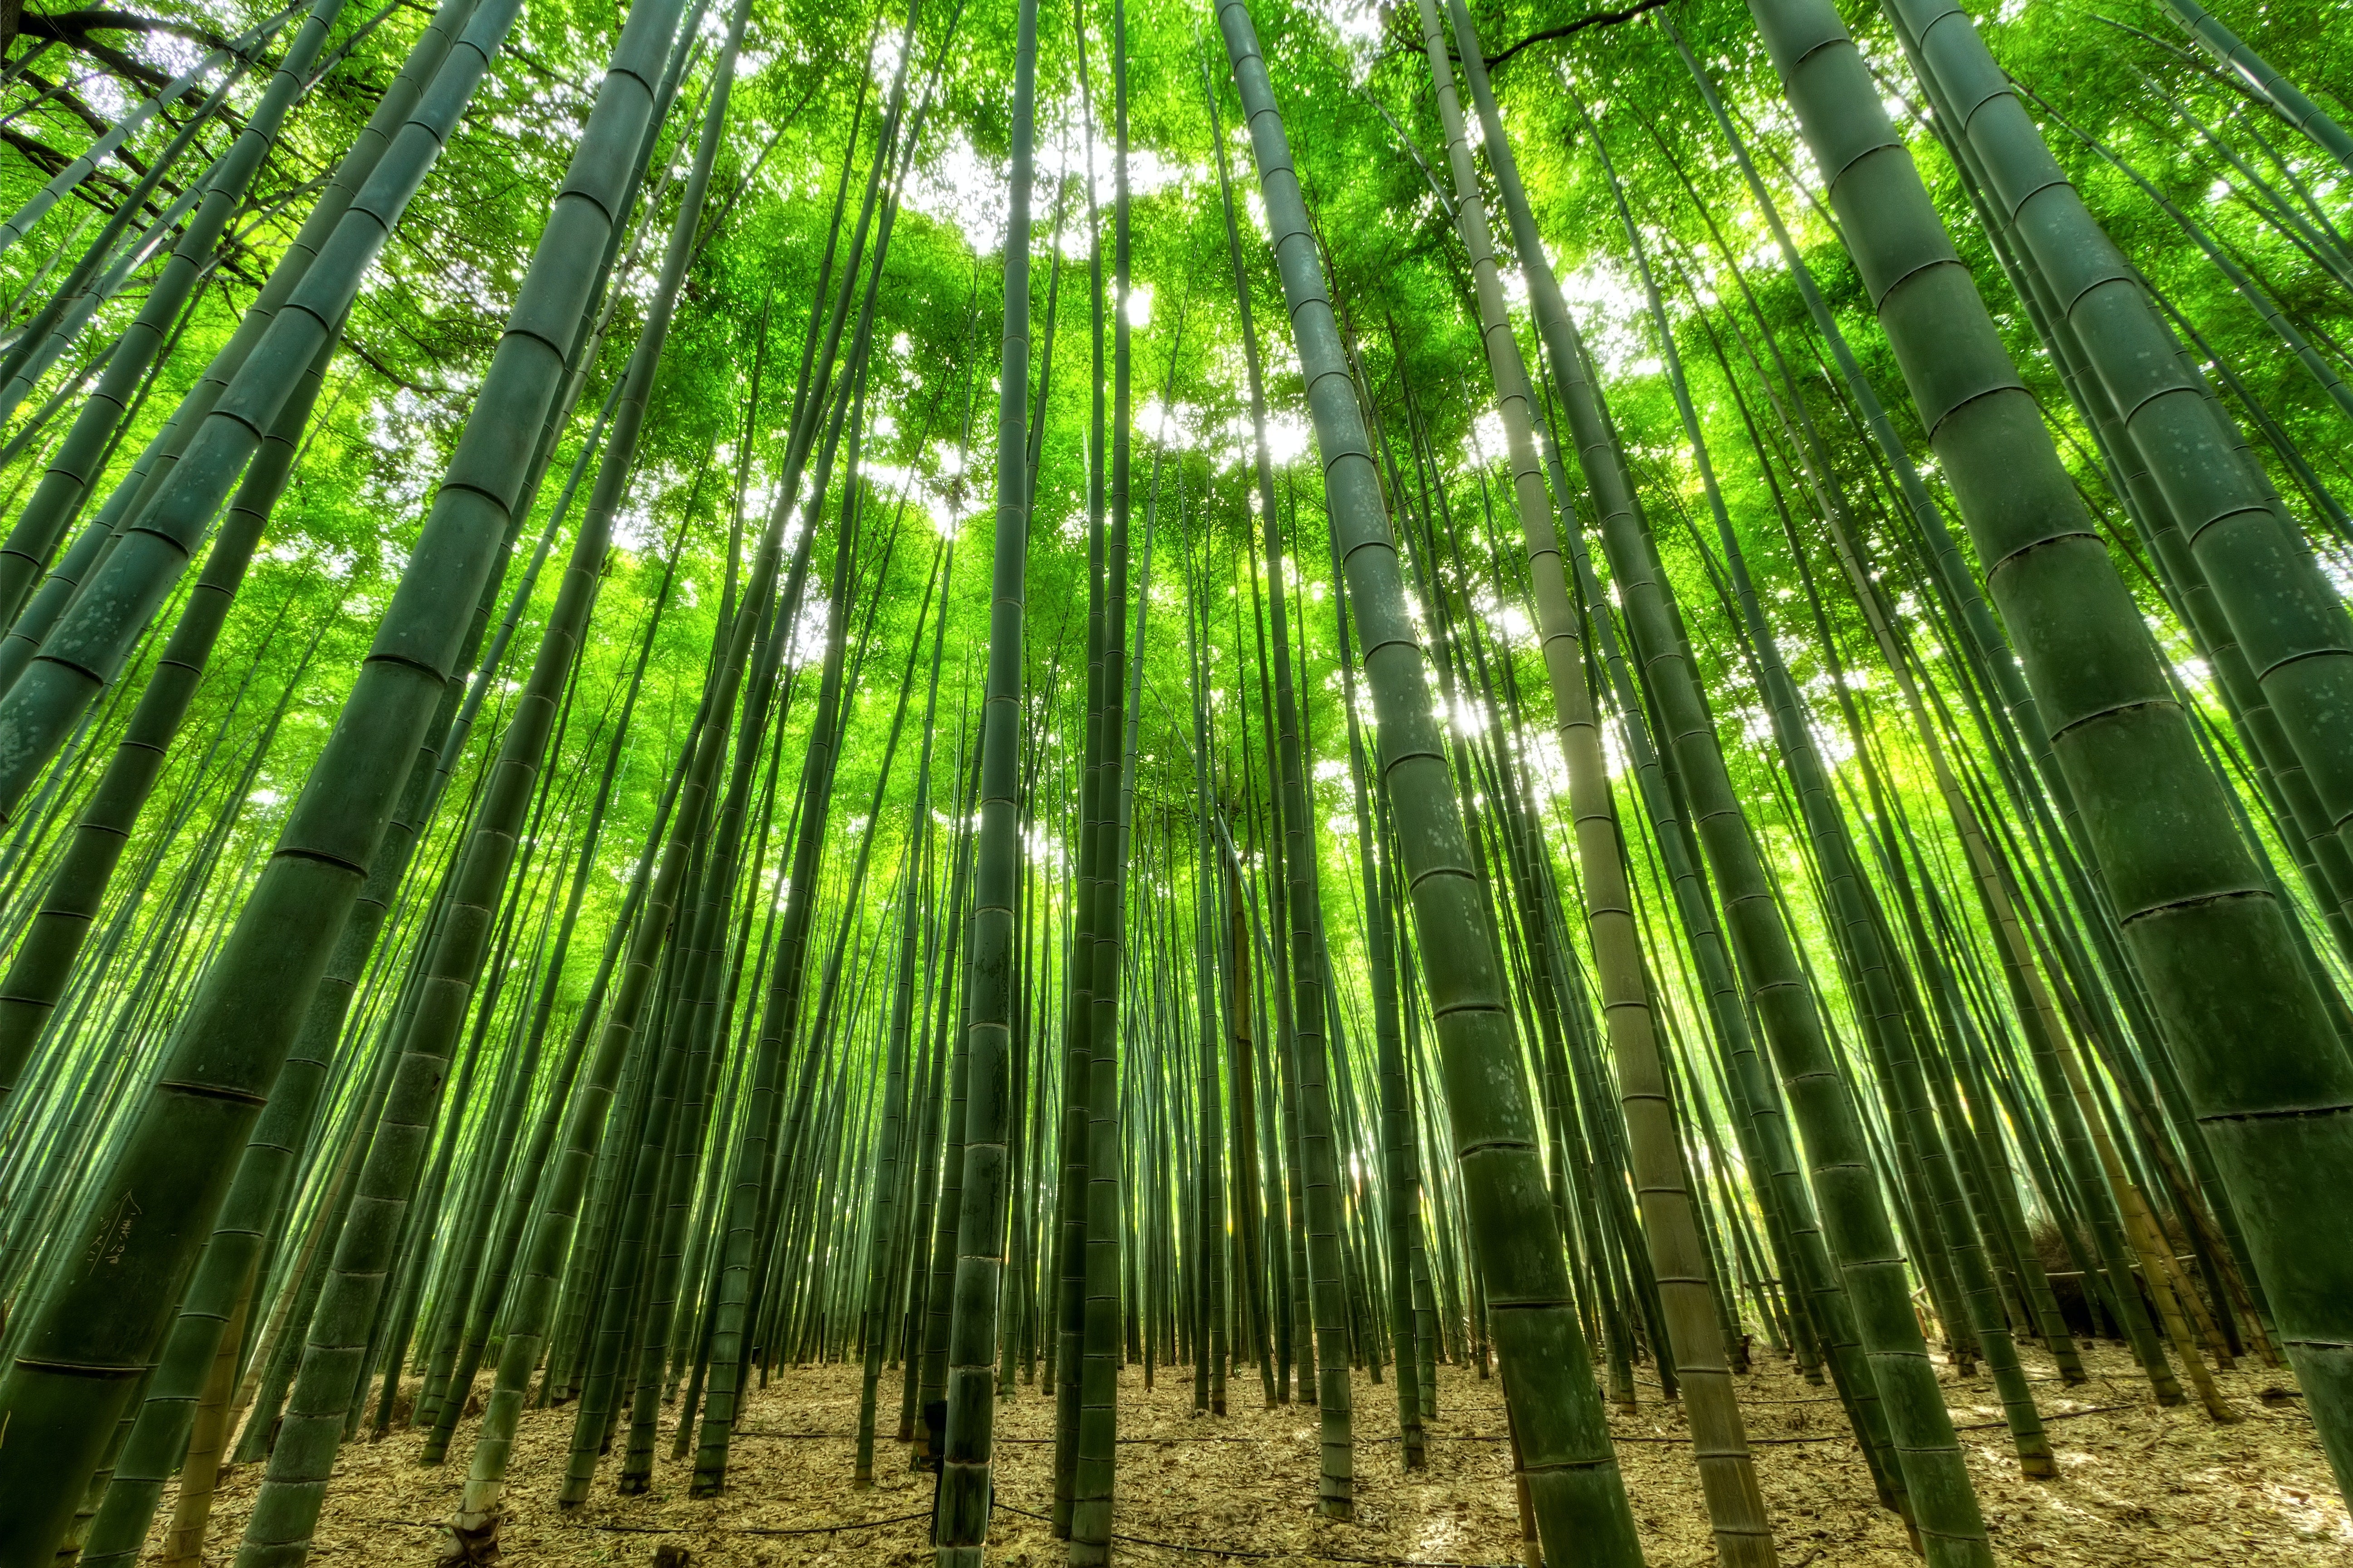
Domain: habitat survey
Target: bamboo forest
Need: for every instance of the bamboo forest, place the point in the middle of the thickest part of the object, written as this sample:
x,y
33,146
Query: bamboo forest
x,y
1448,784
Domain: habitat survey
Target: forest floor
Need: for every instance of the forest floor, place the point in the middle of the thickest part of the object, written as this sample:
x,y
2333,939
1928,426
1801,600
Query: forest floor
x,y
2137,1484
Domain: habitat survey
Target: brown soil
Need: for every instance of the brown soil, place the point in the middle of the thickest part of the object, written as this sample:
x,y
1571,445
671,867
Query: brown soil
x,y
2137,1484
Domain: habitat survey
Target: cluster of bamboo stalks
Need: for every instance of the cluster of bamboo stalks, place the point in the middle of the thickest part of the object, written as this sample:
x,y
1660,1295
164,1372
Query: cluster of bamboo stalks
x,y
1364,939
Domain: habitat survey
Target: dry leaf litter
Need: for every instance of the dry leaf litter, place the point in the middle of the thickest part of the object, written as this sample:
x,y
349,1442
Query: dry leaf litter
x,y
2137,1484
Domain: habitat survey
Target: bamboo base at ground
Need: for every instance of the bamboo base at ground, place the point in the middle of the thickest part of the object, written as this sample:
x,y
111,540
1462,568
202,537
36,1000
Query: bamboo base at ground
x,y
2136,1484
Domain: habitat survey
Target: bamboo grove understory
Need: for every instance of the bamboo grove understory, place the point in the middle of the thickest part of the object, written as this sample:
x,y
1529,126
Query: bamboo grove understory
x,y
1598,697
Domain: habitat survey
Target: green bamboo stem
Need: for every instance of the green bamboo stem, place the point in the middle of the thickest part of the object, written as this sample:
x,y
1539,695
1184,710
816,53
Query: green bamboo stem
x,y
2260,81
965,1486
73,467
1578,1499
1736,1504
87,648
2246,1027
44,962
257,989
133,120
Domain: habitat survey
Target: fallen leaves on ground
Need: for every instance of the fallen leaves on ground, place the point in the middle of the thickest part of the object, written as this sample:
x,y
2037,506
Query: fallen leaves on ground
x,y
2137,1484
